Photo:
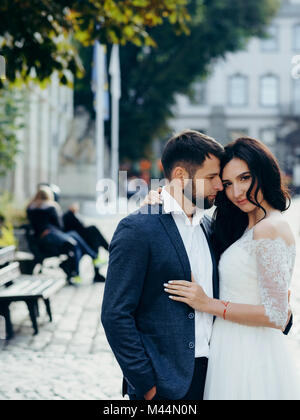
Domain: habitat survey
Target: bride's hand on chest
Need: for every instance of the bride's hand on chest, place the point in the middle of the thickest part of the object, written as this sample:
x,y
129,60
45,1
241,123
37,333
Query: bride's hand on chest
x,y
188,292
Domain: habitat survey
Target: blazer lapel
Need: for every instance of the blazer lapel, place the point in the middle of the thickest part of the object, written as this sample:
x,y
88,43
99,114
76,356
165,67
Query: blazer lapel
x,y
172,231
206,228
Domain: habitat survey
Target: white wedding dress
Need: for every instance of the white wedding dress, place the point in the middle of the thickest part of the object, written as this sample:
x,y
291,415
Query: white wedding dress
x,y
251,363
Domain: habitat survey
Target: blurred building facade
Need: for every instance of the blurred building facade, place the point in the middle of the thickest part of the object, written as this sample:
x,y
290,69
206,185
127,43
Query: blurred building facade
x,y
56,146
253,92
77,174
47,116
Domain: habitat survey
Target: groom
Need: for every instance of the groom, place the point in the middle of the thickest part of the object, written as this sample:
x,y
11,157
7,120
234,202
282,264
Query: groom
x,y
162,345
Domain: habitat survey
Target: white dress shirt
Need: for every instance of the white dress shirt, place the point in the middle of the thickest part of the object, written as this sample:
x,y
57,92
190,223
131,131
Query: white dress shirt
x,y
198,252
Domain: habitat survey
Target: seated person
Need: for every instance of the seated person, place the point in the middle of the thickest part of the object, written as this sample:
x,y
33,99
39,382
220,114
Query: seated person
x,y
90,234
46,219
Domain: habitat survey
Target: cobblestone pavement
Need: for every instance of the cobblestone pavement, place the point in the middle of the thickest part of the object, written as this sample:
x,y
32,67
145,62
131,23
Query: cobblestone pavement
x,y
70,358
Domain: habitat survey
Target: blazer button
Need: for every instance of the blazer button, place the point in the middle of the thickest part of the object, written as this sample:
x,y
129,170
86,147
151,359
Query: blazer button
x,y
191,315
191,345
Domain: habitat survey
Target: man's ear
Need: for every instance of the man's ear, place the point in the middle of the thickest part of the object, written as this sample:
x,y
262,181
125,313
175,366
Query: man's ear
x,y
180,173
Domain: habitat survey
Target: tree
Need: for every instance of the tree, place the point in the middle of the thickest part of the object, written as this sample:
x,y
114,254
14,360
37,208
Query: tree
x,y
151,77
36,36
10,117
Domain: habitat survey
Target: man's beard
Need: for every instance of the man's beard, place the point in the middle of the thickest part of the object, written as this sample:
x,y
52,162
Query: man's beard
x,y
203,203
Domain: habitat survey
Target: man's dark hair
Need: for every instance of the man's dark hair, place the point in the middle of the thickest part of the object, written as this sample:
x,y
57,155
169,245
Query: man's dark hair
x,y
189,149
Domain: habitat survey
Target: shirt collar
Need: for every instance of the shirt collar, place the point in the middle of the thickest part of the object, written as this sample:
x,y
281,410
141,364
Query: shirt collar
x,y
170,205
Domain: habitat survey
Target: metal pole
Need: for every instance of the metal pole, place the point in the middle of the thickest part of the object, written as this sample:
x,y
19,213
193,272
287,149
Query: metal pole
x,y
99,113
114,70
115,140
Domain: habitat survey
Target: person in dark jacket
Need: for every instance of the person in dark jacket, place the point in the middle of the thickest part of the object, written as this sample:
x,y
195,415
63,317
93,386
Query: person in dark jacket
x,y
72,222
90,234
46,219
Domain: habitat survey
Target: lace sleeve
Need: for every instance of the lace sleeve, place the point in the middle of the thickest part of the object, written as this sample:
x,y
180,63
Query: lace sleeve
x,y
274,275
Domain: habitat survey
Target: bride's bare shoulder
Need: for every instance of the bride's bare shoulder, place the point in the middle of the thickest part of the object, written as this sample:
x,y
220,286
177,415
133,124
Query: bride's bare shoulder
x,y
273,228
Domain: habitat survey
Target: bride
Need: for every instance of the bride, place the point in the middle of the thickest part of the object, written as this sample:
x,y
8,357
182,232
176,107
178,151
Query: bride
x,y
249,355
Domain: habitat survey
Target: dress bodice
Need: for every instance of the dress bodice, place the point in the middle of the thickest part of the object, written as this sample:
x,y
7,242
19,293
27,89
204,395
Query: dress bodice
x,y
258,272
253,362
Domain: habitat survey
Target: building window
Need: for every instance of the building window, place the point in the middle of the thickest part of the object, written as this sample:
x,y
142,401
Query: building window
x,y
296,97
238,90
269,90
296,37
271,43
198,94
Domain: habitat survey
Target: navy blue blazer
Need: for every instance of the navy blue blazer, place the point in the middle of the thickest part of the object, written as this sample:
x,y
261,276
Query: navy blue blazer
x,y
151,336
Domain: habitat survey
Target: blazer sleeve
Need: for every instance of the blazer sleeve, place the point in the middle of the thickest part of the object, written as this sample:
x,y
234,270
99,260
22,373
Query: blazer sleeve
x,y
128,262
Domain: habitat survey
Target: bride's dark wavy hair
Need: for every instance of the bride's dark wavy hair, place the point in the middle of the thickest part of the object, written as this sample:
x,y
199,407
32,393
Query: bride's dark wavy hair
x,y
229,222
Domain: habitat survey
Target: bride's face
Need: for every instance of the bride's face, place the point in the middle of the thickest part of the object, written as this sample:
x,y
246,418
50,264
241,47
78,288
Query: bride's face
x,y
237,181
